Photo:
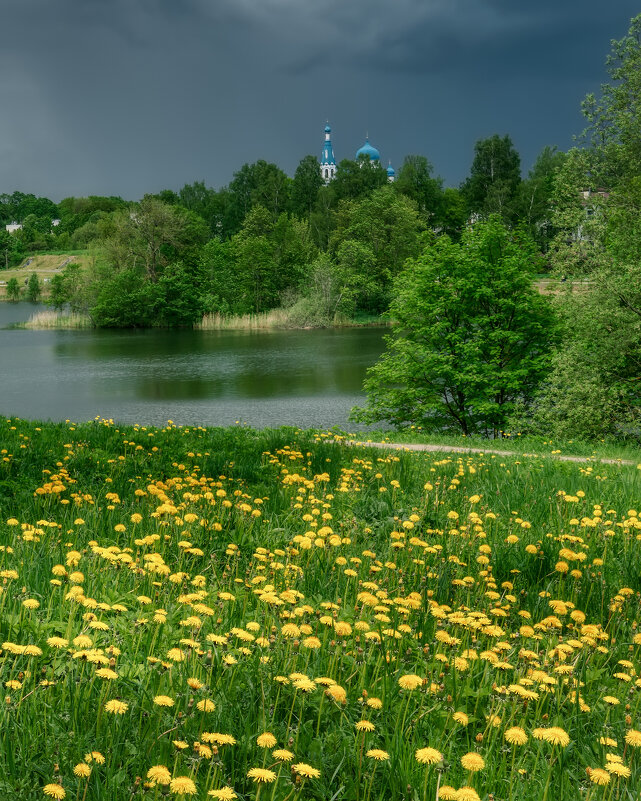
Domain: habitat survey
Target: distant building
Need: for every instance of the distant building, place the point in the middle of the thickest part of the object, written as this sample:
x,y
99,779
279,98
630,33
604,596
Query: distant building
x,y
328,160
14,226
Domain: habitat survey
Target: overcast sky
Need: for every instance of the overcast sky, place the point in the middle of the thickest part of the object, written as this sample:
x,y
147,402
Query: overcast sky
x,y
125,97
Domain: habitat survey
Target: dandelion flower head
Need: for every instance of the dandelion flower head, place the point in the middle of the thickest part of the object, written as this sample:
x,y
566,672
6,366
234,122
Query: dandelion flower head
x,y
54,790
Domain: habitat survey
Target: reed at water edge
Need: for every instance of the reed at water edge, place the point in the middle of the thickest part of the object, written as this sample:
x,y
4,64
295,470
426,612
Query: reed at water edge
x,y
50,319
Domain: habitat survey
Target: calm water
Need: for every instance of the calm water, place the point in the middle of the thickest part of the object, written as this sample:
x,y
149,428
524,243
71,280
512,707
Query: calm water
x,y
303,378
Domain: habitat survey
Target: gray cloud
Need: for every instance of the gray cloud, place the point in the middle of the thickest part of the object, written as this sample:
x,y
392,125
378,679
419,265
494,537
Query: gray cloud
x,y
129,96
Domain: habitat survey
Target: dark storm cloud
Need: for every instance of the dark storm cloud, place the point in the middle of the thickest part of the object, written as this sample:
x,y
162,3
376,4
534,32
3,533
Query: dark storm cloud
x,y
129,96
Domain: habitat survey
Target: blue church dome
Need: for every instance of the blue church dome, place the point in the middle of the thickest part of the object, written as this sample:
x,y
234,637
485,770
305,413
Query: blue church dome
x,y
368,150
390,172
328,129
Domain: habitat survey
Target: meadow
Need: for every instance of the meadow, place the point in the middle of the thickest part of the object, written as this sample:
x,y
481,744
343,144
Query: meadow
x,y
229,613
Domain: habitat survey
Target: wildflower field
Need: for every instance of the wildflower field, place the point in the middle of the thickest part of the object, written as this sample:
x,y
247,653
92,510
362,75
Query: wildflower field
x,y
228,613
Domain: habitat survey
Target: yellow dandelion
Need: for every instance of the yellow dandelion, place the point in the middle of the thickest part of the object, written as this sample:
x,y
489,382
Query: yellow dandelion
x,y
461,717
617,769
266,740
515,735
305,770
261,775
106,673
159,774
473,762
182,785
54,790
206,705
599,776
410,682
82,770
224,793
633,738
466,794
428,756
556,736
447,793
283,755
218,738
163,700
116,707
364,725
57,642
378,754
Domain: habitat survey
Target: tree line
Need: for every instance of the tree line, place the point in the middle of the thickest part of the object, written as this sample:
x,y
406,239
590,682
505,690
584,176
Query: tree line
x,y
267,240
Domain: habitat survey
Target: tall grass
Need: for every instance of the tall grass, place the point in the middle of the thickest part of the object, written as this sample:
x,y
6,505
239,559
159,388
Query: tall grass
x,y
276,318
171,594
291,317
56,319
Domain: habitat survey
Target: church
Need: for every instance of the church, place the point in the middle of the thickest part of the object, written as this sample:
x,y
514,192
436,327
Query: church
x,y
328,160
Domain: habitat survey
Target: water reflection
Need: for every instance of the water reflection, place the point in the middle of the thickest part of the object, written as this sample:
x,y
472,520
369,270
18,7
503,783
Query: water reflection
x,y
309,378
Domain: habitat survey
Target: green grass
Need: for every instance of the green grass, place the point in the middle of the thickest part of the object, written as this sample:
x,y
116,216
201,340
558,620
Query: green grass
x,y
196,564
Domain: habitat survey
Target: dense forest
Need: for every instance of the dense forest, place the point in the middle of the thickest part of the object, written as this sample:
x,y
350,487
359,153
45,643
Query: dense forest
x,y
267,240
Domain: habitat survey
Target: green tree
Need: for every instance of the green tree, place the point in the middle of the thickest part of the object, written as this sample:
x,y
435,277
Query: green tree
x,y
13,289
8,251
305,186
152,235
386,227
354,179
128,300
533,204
451,214
256,184
594,388
471,335
181,302
494,178
269,258
219,273
414,179
34,289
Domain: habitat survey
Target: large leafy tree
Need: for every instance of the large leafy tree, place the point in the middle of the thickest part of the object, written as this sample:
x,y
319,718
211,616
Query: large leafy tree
x,y
534,199
354,179
471,335
258,184
268,259
494,179
415,180
594,388
305,186
373,237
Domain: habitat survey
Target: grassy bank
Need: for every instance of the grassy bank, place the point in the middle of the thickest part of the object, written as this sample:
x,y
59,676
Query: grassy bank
x,y
222,612
279,319
45,265
49,319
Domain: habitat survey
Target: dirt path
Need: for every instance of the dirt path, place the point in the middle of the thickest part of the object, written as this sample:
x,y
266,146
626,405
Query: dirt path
x,y
454,449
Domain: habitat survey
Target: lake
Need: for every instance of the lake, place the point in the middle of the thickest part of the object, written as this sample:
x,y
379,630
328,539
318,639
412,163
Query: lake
x,y
302,378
